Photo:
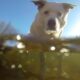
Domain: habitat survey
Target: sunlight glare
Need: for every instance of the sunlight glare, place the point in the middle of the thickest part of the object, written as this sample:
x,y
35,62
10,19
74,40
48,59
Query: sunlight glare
x,y
75,31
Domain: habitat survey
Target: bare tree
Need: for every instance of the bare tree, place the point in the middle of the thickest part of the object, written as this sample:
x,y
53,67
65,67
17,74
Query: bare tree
x,y
6,29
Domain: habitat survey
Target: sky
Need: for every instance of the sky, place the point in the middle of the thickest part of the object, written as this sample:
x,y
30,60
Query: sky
x,y
21,14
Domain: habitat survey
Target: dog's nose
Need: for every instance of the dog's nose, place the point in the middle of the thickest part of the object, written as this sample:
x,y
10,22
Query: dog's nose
x,y
51,24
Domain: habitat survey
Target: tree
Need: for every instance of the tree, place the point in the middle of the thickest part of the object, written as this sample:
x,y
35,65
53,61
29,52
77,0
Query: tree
x,y
7,28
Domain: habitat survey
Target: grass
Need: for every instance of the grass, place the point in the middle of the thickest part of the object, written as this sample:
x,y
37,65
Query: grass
x,y
37,62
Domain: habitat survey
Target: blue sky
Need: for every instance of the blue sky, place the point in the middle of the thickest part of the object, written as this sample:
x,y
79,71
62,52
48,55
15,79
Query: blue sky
x,y
21,13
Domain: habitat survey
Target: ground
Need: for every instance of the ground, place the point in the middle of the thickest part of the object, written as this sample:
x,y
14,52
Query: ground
x,y
38,61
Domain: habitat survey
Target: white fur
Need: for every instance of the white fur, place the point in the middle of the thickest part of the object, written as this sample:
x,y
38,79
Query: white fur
x,y
39,27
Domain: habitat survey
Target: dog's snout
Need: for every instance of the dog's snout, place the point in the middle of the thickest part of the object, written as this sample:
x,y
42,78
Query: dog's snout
x,y
51,24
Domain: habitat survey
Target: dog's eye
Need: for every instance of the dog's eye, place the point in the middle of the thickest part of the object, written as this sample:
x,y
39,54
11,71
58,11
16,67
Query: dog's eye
x,y
59,14
46,12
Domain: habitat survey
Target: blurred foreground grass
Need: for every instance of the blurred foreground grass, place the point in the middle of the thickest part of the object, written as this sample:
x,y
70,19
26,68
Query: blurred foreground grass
x,y
23,59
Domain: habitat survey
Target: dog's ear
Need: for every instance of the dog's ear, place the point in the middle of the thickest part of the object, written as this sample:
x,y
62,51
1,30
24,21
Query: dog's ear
x,y
39,3
68,6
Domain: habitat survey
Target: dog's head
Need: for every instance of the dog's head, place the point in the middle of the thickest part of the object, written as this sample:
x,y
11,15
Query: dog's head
x,y
51,17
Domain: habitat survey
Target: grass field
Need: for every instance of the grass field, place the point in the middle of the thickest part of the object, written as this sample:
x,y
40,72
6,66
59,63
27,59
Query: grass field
x,y
36,62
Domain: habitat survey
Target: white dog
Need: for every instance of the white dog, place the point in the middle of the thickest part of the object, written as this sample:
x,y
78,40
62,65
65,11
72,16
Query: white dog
x,y
50,20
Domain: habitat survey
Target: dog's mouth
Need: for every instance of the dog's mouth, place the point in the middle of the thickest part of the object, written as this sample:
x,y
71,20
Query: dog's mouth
x,y
49,32
52,33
